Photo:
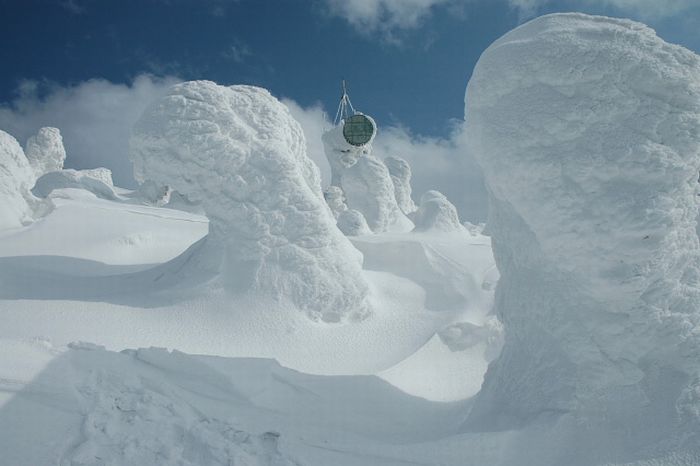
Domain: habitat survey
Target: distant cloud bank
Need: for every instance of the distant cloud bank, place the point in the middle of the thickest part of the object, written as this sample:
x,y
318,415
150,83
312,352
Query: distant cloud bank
x,y
96,118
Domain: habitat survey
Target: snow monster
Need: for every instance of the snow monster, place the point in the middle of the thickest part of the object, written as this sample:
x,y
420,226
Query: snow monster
x,y
238,152
588,132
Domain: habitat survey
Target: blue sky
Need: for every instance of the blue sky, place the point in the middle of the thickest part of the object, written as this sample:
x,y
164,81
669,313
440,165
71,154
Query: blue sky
x,y
412,74
407,62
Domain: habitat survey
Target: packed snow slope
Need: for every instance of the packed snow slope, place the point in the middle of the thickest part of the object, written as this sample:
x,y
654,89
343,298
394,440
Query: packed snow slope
x,y
83,405
107,271
588,132
239,153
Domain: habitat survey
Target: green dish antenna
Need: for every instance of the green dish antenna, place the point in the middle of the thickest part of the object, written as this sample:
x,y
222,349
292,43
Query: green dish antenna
x,y
358,129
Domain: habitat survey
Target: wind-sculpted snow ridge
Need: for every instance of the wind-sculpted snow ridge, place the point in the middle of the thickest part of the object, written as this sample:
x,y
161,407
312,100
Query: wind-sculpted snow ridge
x,y
97,181
588,132
436,213
238,153
366,183
45,151
400,172
16,179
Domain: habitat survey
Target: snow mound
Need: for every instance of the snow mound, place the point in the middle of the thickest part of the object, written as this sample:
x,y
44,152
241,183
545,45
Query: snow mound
x,y
97,181
352,223
436,213
140,407
588,132
238,152
16,179
365,182
45,151
400,172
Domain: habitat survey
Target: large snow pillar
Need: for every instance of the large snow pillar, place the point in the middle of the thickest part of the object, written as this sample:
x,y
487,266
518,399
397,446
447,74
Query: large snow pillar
x,y
45,151
588,132
16,179
238,152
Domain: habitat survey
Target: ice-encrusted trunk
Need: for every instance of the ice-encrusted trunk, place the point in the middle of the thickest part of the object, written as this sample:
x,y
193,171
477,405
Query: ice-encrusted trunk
x,y
588,132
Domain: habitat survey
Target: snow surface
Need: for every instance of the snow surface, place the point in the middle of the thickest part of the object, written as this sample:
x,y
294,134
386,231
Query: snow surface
x,y
113,267
149,406
95,236
238,152
588,132
45,151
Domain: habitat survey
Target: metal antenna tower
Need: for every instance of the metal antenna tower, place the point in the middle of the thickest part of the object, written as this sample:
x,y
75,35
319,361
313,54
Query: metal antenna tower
x,y
344,107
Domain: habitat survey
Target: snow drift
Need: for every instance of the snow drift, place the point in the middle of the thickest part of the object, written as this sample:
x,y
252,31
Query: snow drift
x,y
16,179
97,181
238,152
588,132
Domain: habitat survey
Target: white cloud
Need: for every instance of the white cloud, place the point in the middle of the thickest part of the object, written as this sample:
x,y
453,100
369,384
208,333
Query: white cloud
x,y
443,164
238,52
383,15
649,9
314,121
388,16
95,118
